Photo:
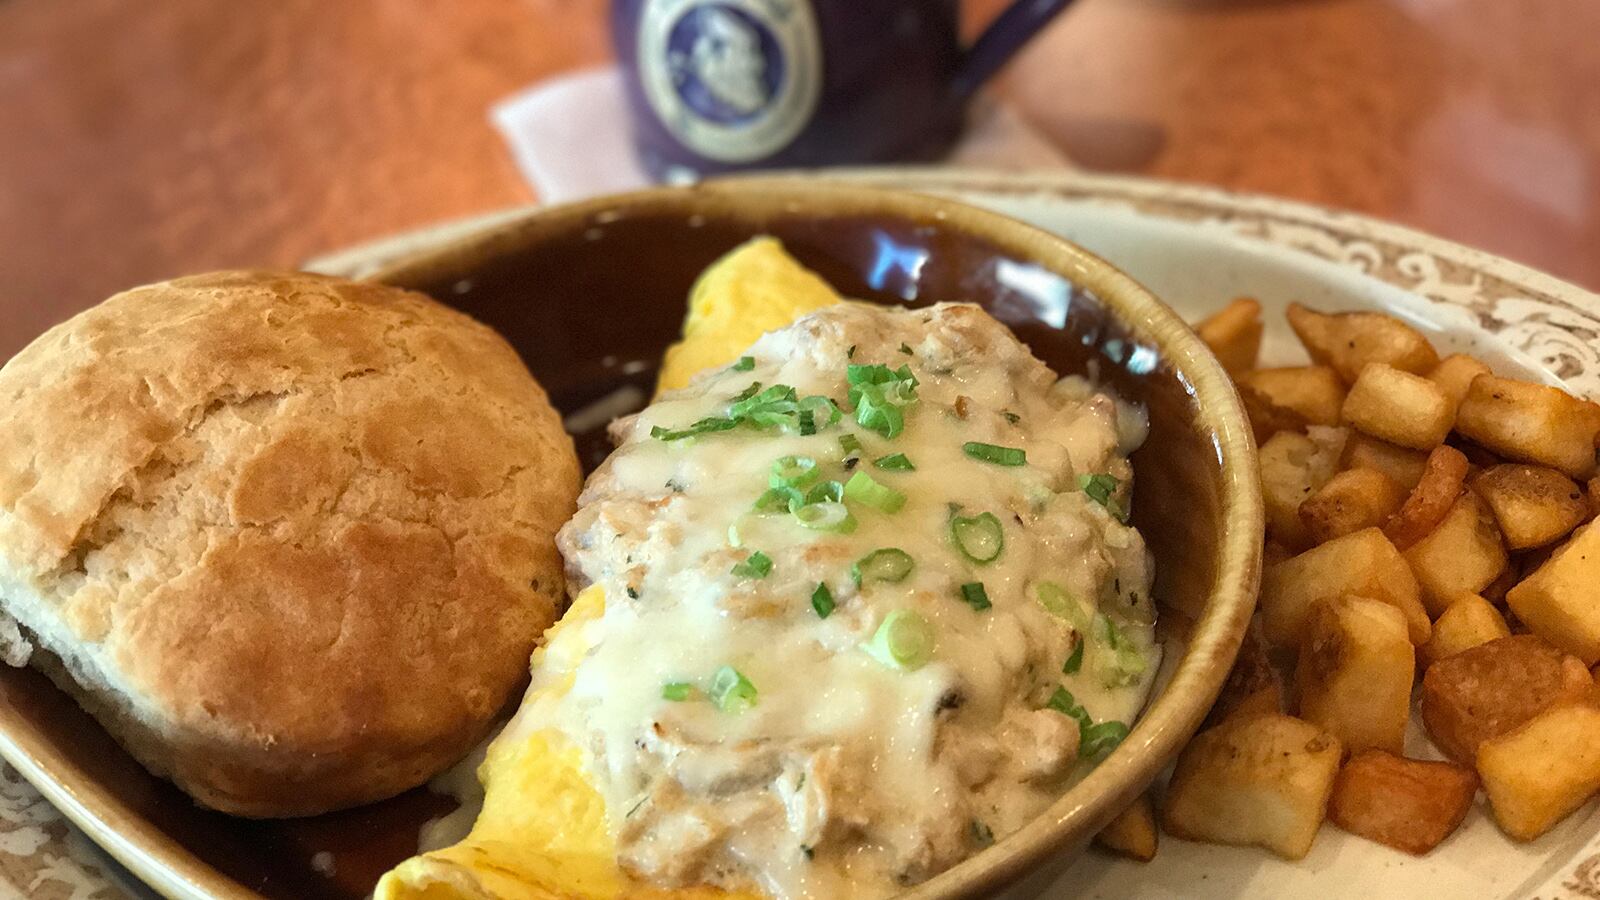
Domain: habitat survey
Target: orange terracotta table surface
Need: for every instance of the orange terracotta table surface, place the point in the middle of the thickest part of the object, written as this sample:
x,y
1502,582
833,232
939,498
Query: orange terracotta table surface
x,y
141,140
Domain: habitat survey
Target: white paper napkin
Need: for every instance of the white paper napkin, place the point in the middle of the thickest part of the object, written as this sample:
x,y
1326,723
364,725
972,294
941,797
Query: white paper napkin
x,y
569,136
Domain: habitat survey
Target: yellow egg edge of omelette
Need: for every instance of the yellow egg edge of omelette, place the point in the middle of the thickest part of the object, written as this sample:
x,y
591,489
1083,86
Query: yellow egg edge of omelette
x,y
542,832
753,289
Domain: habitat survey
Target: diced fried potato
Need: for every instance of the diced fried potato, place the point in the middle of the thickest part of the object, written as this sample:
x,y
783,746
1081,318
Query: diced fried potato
x,y
1363,563
1349,342
1268,418
1403,465
1533,505
1314,393
1273,552
1291,469
1398,407
1491,689
1443,475
1267,700
1468,620
1408,804
1133,832
1560,601
1259,781
1234,334
1253,681
1462,555
1351,500
1592,494
1454,375
1538,774
1531,423
1355,672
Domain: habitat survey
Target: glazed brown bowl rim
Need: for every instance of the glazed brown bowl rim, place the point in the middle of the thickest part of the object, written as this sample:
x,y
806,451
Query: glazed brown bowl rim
x,y
1176,711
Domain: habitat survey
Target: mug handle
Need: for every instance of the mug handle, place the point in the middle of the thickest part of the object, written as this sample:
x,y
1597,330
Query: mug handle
x,y
1010,30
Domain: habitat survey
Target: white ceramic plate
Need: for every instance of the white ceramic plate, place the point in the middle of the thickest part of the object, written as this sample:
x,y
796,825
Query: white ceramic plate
x,y
1196,248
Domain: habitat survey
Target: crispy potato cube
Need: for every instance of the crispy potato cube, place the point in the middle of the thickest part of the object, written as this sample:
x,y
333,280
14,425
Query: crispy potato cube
x,y
1314,393
1531,423
1403,465
1291,469
1491,689
1462,555
1267,418
1355,672
1533,505
1538,774
1351,500
1253,682
1454,375
1560,601
1349,342
1592,494
1443,475
1398,407
1408,804
1133,832
1234,334
1363,563
1468,620
1260,781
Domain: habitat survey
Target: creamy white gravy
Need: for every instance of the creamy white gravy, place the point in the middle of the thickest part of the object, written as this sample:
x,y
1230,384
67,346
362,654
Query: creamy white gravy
x,y
839,770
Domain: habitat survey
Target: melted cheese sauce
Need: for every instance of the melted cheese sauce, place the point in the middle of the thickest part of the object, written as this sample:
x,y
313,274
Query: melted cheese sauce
x,y
847,774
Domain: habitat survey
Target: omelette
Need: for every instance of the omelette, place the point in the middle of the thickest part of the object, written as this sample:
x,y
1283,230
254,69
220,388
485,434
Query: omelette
x,y
858,598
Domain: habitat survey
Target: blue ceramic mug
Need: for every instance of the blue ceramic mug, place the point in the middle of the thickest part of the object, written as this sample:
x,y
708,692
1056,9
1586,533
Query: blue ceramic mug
x,y
724,85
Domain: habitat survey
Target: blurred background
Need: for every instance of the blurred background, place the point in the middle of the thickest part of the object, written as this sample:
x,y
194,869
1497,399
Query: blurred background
x,y
143,139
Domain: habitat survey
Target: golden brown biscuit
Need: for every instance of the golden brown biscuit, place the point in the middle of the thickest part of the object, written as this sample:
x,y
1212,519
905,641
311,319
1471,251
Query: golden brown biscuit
x,y
288,537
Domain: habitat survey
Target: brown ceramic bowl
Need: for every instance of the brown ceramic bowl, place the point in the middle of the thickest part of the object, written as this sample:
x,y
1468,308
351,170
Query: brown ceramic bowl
x,y
591,295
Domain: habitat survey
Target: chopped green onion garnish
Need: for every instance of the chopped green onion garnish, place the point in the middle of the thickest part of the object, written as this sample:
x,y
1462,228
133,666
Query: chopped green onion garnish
x,y
793,472
1075,660
1063,702
677,691
906,349
861,488
904,641
745,364
756,565
876,414
850,443
975,596
994,453
851,353
1055,599
1011,417
806,422
895,462
1101,488
825,492
822,600
731,691
878,394
890,564
1100,739
747,393
979,538
1127,663
825,410
780,499
704,426
827,516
